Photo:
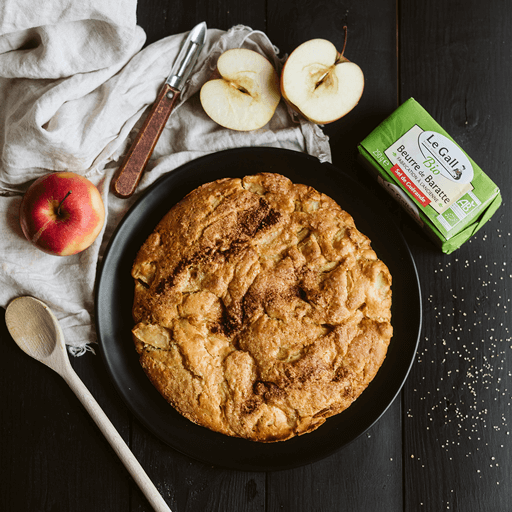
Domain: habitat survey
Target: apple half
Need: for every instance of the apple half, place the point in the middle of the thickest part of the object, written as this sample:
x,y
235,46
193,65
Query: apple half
x,y
244,93
320,83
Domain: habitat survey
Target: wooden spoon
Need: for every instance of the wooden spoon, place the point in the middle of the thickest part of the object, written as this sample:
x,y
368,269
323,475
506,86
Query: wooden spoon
x,y
37,332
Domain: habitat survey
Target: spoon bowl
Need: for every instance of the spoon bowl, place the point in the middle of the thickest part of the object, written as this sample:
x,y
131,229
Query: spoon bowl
x,y
36,330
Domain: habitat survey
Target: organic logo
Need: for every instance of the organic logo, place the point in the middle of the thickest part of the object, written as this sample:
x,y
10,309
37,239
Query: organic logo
x,y
466,205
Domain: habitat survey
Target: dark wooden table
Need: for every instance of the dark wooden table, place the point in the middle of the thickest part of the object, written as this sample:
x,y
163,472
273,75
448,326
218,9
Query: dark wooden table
x,y
444,443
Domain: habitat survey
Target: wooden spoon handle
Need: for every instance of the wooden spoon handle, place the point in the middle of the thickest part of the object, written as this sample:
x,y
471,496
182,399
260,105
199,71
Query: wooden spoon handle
x,y
116,441
130,171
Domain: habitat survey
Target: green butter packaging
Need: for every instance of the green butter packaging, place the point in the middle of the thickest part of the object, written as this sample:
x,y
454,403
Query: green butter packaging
x,y
431,176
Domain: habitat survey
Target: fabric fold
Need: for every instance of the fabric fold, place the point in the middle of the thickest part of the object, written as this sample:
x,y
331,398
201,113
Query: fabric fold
x,y
61,112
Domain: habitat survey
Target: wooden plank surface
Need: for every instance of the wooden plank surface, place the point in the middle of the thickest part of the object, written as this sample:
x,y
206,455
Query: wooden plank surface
x,y
53,455
445,443
455,60
366,475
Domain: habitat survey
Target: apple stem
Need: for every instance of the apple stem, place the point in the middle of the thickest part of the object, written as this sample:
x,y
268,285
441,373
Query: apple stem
x,y
60,204
344,41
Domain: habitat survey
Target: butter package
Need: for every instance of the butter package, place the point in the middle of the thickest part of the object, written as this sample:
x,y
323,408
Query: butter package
x,y
431,176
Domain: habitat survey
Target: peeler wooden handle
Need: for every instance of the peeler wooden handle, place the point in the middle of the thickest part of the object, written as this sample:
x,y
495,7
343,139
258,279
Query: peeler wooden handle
x,y
130,171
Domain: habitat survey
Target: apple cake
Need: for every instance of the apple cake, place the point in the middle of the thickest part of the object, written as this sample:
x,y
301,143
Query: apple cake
x,y
260,310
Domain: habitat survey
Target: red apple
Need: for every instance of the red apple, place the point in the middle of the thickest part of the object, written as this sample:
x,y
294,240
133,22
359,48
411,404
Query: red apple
x,y
62,213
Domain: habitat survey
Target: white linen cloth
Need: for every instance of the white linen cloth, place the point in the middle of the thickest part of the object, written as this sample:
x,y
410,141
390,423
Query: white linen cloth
x,y
75,82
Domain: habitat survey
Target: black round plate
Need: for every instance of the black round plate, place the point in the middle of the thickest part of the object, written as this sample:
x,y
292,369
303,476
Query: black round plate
x,y
114,296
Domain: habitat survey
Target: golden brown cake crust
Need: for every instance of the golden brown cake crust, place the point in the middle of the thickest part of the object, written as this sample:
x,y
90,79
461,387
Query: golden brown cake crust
x,y
260,309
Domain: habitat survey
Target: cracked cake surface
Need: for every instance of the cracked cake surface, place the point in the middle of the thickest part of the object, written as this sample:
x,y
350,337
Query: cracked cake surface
x,y
260,310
